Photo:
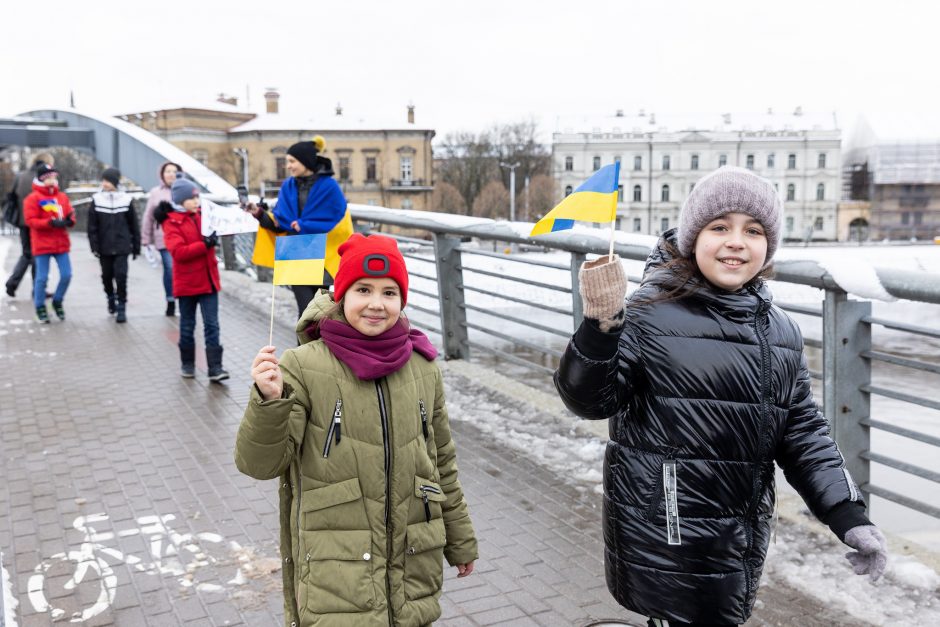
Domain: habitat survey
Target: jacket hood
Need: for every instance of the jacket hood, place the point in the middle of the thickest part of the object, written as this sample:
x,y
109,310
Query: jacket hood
x,y
43,190
658,276
318,309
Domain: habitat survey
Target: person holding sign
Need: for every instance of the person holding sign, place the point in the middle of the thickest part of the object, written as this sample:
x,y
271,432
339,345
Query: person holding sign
x,y
196,280
310,201
354,423
706,386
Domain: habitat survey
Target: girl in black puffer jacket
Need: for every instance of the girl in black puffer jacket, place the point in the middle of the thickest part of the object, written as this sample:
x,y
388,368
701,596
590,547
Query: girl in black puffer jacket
x,y
706,386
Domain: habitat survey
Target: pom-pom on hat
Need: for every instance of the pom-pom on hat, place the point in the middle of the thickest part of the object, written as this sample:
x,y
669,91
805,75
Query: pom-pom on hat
x,y
306,152
44,171
374,256
111,175
730,190
182,189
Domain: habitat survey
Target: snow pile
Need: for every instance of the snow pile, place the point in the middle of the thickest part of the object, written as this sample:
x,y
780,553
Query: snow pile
x,y
9,601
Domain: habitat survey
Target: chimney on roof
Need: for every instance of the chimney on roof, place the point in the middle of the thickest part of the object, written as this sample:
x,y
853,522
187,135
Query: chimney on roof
x,y
652,118
726,117
799,111
619,113
642,113
339,109
411,114
226,99
271,97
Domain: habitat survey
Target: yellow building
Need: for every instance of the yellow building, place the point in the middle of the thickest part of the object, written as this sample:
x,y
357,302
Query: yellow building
x,y
387,164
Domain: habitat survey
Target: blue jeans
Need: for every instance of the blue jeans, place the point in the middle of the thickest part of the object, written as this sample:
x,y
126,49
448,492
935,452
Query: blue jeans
x,y
209,304
167,273
42,277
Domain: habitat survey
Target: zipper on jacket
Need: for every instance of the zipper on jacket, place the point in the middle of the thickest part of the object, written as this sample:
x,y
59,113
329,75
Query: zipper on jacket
x,y
335,430
424,497
383,415
300,550
424,418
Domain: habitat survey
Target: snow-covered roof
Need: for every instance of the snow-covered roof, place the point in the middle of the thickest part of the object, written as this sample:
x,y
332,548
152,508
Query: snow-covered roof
x,y
158,103
645,122
311,123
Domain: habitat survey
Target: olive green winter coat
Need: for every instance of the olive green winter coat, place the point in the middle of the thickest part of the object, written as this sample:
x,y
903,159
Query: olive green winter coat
x,y
370,501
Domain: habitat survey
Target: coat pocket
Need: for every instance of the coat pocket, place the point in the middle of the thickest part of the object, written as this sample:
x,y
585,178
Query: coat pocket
x,y
424,558
336,506
431,497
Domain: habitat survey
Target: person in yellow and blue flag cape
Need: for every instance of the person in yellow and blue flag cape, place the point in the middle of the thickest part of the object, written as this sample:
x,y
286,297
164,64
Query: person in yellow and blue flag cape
x,y
595,200
310,201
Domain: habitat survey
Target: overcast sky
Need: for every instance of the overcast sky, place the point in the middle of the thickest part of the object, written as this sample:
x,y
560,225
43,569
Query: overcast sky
x,y
466,65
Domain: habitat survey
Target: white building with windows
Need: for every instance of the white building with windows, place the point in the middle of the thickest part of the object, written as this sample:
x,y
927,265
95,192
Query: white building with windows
x,y
662,157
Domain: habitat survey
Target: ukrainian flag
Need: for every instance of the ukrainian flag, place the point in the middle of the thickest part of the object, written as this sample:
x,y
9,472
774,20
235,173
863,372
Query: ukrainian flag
x,y
595,200
299,259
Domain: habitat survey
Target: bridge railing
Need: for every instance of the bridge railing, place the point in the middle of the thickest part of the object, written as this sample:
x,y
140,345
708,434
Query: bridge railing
x,y
848,355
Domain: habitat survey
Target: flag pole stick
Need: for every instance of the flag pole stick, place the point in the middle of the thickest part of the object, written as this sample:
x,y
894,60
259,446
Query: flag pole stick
x,y
613,215
271,329
610,252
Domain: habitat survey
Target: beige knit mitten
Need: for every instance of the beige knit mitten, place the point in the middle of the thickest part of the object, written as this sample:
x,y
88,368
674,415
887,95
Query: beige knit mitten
x,y
603,286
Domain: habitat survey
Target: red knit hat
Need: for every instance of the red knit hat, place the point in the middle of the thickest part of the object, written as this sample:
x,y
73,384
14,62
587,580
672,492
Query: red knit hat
x,y
370,256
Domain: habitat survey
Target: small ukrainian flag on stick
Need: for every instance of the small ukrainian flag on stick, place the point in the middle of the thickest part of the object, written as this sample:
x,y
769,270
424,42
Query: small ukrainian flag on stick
x,y
298,260
595,200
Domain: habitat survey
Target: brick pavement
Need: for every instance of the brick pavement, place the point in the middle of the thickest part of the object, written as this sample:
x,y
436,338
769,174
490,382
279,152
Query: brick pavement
x,y
94,418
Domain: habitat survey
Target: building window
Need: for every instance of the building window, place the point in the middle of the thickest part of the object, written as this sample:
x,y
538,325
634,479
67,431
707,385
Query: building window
x,y
789,224
636,225
597,163
568,190
666,162
370,170
822,160
694,165
569,164
791,161
791,191
406,172
407,204
770,160
620,193
664,225
664,195
905,217
344,168
821,192
280,168
750,162
818,224
722,160
637,163
918,218
637,193
202,156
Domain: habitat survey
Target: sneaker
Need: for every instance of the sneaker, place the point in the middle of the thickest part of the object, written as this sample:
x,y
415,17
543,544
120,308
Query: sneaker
x,y
188,371
57,306
42,315
171,308
217,376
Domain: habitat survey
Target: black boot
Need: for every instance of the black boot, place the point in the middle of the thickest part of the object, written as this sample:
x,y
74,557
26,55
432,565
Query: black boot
x,y
112,304
188,362
214,358
120,308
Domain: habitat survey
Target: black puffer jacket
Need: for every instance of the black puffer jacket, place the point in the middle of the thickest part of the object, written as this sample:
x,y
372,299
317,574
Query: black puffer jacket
x,y
112,224
710,390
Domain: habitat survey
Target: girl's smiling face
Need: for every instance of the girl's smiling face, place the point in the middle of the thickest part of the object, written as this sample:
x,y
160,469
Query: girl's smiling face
x,y
731,250
372,306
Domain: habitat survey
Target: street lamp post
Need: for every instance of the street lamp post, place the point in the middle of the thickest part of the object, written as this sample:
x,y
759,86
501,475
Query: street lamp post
x,y
512,188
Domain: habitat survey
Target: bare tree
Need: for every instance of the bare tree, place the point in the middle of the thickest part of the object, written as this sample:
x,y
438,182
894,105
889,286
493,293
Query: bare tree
x,y
447,199
75,166
492,201
468,163
224,162
518,143
541,198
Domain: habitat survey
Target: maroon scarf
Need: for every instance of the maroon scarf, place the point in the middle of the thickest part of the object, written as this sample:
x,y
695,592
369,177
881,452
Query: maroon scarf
x,y
372,357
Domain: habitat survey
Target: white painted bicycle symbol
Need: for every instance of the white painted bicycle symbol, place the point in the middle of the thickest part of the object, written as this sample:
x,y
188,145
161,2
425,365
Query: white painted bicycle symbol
x,y
92,558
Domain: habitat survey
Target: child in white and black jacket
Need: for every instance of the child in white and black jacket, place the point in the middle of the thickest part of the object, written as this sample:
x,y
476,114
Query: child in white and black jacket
x,y
113,233
706,386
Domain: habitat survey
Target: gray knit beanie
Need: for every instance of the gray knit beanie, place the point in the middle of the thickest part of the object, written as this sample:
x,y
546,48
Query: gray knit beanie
x,y
182,189
730,190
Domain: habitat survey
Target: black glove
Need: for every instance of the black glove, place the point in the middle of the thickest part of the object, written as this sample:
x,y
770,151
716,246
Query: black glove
x,y
211,241
161,211
59,223
70,221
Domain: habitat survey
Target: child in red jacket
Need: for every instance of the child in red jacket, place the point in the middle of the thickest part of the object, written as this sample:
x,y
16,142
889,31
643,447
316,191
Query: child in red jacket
x,y
195,277
48,213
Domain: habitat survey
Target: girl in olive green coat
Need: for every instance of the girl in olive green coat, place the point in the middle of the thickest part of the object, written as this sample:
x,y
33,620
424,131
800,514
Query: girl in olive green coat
x,y
353,422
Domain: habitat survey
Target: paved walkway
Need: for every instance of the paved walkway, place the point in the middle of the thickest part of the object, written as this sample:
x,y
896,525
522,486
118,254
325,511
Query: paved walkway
x,y
111,460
